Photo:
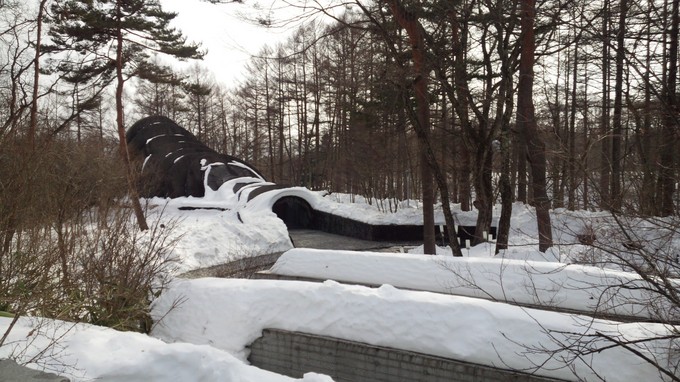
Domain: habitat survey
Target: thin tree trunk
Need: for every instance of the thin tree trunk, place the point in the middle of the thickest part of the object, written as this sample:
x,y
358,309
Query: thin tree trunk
x,y
521,160
503,233
668,133
268,119
647,201
571,202
504,107
36,77
459,37
282,136
483,193
132,189
558,153
605,139
586,140
617,126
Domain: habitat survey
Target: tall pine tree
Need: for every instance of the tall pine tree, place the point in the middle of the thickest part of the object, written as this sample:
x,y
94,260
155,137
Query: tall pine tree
x,y
116,37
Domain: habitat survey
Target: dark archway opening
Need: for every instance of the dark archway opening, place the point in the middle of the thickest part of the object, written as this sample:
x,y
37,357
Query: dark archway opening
x,y
294,211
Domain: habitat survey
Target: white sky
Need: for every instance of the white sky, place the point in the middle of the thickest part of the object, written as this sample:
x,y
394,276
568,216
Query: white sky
x,y
221,28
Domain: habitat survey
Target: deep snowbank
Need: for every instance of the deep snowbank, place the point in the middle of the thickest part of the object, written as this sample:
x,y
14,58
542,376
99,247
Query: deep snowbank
x,y
87,353
229,314
208,237
568,286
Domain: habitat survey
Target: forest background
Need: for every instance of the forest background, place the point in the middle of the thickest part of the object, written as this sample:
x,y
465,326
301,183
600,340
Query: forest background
x,y
559,104
381,93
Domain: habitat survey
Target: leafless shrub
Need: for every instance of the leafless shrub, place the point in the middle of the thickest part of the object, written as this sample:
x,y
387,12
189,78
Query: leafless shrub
x,y
70,250
42,346
648,248
120,270
587,236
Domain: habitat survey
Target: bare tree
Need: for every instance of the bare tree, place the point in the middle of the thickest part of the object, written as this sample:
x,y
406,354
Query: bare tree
x,y
617,124
409,22
526,121
36,74
670,124
198,87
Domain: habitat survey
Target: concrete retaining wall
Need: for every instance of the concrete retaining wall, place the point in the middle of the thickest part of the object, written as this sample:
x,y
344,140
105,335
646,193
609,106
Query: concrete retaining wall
x,y
294,353
10,371
242,268
339,225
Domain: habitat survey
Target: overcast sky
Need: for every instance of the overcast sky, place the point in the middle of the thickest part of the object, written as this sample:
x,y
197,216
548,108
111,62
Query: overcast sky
x,y
221,28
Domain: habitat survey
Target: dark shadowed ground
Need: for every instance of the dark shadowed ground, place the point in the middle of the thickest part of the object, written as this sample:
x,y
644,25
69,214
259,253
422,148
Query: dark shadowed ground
x,y
307,238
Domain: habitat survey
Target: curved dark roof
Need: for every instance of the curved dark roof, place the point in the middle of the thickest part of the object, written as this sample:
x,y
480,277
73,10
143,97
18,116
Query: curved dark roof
x,y
175,161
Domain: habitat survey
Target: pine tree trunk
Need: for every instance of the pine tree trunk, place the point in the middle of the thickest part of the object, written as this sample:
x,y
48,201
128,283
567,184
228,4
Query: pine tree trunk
x,y
410,24
429,164
528,127
131,178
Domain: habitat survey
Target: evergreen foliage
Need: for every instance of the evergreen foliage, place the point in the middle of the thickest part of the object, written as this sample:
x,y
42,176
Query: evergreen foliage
x,y
90,28
116,35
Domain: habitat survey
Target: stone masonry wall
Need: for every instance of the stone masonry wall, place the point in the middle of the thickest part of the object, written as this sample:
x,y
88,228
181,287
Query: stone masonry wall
x,y
294,353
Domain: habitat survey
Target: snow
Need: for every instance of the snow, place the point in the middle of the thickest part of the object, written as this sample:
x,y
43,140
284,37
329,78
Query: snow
x,y
229,314
206,238
568,286
87,352
205,325
239,229
374,211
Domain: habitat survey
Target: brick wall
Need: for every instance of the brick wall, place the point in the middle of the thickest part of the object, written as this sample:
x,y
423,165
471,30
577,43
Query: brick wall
x,y
294,353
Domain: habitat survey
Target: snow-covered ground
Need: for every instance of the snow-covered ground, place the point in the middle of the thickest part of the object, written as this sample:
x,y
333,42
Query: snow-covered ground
x,y
570,287
230,314
205,324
